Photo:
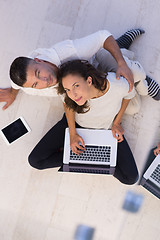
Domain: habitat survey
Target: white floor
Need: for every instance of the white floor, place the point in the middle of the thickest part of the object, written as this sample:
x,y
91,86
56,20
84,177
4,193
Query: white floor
x,y
47,205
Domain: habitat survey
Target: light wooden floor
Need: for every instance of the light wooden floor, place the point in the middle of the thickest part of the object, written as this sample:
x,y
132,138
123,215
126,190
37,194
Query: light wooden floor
x,y
47,205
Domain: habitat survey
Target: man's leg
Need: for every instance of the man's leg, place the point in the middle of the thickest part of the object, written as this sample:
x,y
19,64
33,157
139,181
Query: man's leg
x,y
46,154
104,61
153,88
125,41
128,37
126,169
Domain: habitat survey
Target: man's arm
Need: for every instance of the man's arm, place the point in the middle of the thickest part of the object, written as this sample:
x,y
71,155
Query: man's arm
x,y
8,95
75,139
122,70
88,46
116,126
157,150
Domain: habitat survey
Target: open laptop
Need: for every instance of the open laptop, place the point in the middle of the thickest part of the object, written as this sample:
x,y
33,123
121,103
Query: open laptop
x,y
99,157
151,177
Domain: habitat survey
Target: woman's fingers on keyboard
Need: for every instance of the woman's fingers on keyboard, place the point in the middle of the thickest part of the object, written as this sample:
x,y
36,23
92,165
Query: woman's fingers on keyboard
x,y
77,144
77,149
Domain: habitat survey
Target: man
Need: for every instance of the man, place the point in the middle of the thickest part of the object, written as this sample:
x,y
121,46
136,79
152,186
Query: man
x,y
157,149
37,74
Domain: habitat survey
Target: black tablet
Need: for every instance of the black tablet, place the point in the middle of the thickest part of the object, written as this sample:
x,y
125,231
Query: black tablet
x,y
15,130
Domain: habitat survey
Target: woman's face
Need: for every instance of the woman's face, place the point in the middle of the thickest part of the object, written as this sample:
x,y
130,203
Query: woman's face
x,y
77,88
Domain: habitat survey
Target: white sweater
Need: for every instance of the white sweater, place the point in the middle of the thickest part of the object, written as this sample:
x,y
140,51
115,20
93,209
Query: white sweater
x,y
83,48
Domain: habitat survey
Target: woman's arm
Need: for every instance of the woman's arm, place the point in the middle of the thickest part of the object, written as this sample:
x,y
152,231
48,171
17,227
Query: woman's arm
x,y
75,139
117,129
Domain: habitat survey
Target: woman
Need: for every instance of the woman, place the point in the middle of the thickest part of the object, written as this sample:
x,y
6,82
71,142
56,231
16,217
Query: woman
x,y
98,101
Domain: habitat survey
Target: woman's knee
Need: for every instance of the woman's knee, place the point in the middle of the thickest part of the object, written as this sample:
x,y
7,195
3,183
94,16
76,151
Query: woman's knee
x,y
132,179
34,162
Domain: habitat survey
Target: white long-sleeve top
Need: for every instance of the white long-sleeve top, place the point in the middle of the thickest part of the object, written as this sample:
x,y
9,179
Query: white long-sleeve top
x,y
83,48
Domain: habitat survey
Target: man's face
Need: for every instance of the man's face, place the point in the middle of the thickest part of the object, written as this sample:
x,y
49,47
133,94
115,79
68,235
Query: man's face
x,y
40,74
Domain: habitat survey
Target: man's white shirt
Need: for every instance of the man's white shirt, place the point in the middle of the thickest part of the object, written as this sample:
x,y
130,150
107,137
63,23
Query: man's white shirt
x,y
83,48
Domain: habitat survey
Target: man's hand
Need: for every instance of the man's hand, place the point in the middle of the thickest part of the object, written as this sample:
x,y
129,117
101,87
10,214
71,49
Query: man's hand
x,y
74,144
117,132
123,70
8,95
157,150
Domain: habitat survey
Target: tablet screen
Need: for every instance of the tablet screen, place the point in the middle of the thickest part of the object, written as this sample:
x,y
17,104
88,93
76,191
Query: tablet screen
x,y
14,130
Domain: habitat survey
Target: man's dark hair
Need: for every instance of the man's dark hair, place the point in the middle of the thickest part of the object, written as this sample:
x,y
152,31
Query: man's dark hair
x,y
18,70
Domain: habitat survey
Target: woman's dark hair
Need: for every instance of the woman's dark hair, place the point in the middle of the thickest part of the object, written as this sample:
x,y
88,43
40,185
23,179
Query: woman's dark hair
x,y
18,70
84,69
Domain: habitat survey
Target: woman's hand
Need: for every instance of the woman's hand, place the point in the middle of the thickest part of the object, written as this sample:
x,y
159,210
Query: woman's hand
x,y
157,150
117,131
77,144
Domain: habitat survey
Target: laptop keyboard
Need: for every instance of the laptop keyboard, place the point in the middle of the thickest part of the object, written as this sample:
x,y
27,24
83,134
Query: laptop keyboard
x,y
93,154
156,174
84,170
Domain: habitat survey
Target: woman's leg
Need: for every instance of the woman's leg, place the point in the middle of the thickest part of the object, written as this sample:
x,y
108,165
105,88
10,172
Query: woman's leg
x,y
126,169
46,154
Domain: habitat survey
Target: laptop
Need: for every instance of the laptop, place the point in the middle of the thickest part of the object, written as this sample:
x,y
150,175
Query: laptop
x,y
99,157
151,177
